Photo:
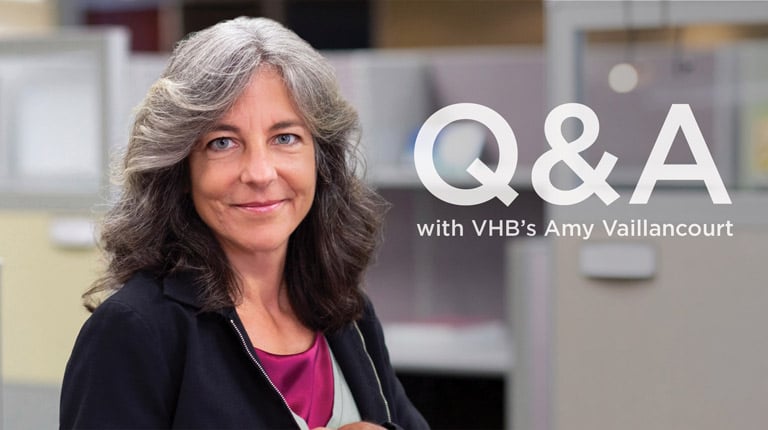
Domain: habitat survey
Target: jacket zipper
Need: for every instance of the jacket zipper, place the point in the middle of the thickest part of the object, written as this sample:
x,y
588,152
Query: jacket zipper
x,y
375,373
274,387
258,365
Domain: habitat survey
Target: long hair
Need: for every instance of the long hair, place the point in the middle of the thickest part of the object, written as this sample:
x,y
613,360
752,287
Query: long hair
x,y
153,225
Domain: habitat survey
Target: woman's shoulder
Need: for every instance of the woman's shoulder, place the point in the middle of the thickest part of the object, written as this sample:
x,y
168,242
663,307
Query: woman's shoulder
x,y
141,312
151,297
142,290
141,286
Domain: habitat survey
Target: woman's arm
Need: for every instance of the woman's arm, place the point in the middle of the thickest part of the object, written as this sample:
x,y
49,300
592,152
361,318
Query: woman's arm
x,y
117,375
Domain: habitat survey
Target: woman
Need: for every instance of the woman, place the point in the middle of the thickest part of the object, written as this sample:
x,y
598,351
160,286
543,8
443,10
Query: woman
x,y
236,251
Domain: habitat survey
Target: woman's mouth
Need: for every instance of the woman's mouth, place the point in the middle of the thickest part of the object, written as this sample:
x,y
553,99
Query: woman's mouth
x,y
260,206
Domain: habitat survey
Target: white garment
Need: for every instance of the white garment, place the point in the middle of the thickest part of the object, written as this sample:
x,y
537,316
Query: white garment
x,y
344,406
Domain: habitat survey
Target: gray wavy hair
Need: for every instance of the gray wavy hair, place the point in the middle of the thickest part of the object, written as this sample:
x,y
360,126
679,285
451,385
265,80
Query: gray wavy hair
x,y
153,225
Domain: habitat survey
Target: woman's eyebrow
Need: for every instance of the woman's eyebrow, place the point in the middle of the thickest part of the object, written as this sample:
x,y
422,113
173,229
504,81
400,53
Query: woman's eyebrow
x,y
225,127
280,125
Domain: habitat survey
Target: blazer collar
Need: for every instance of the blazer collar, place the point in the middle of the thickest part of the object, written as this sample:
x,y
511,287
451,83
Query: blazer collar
x,y
348,345
182,287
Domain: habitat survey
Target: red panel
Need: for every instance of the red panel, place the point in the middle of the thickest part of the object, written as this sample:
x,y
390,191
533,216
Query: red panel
x,y
143,24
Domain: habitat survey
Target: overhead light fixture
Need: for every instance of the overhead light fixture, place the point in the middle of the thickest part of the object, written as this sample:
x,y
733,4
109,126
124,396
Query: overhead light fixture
x,y
623,77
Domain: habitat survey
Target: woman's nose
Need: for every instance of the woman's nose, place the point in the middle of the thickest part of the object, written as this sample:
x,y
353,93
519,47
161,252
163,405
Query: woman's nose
x,y
258,167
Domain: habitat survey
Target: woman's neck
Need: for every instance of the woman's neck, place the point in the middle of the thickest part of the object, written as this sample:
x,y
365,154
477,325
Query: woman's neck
x,y
260,276
264,306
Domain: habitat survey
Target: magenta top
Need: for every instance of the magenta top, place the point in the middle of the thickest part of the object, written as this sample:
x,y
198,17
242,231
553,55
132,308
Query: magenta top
x,y
305,380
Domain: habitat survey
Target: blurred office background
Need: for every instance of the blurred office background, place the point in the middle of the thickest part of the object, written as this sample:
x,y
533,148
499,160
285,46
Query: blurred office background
x,y
485,332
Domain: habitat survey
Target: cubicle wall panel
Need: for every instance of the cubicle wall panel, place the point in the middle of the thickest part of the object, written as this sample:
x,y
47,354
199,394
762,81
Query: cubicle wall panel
x,y
686,348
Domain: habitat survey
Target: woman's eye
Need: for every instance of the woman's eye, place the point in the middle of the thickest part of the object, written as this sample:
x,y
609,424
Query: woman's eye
x,y
220,144
286,139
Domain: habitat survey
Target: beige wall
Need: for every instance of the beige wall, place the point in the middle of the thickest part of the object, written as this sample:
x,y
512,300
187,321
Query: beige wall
x,y
41,286
400,24
18,17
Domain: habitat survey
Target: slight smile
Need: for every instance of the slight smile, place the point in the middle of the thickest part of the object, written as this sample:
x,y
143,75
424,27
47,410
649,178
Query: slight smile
x,y
260,207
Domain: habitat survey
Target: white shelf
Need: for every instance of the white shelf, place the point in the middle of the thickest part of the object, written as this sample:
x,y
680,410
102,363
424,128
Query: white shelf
x,y
467,349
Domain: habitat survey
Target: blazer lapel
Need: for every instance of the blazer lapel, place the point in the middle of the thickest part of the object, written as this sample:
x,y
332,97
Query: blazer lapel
x,y
350,353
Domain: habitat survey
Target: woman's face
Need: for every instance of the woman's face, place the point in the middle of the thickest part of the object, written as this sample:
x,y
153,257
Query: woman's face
x,y
253,176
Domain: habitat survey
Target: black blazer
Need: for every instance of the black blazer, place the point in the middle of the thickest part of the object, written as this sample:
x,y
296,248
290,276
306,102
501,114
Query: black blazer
x,y
148,358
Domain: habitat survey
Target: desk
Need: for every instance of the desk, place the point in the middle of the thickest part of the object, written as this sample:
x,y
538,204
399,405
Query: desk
x,y
467,349
458,375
